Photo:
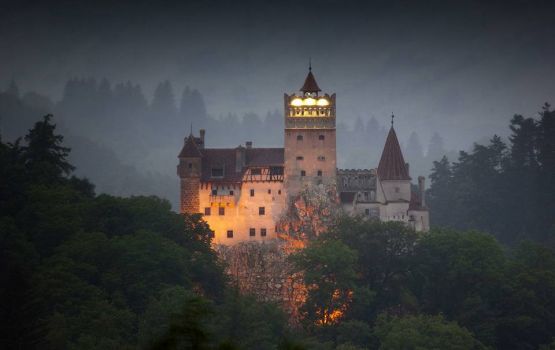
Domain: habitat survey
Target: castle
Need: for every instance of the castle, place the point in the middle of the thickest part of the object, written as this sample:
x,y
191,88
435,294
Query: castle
x,y
242,192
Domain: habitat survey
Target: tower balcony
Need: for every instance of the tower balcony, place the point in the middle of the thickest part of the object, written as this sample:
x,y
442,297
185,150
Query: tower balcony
x,y
310,122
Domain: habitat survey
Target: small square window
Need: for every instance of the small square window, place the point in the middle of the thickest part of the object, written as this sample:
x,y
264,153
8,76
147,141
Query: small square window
x,y
211,234
367,211
397,189
321,137
303,173
279,191
229,233
252,232
221,211
269,191
252,193
207,211
299,137
262,232
231,193
321,158
214,192
319,172
190,165
261,211
300,157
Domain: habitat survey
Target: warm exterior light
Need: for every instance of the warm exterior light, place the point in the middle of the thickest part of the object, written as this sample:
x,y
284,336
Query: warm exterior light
x,y
297,102
322,102
309,101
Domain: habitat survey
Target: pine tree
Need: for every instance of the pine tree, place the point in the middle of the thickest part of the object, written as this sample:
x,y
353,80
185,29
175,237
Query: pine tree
x,y
44,155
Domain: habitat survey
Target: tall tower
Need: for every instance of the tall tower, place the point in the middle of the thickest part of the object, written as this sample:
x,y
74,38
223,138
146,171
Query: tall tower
x,y
189,172
310,151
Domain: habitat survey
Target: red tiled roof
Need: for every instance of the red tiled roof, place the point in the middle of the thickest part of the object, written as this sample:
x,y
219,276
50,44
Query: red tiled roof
x,y
190,148
226,158
265,156
392,165
310,84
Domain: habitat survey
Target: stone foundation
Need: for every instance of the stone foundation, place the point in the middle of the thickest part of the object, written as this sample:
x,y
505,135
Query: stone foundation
x,y
262,269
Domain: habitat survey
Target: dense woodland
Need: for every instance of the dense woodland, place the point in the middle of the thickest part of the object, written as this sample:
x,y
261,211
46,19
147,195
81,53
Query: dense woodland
x,y
137,139
88,271
505,188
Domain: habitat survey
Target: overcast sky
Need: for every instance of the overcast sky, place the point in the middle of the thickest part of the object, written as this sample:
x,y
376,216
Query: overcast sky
x,y
460,68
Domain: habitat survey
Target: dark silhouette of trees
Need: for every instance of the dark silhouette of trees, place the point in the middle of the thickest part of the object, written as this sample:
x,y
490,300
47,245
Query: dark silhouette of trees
x,y
505,189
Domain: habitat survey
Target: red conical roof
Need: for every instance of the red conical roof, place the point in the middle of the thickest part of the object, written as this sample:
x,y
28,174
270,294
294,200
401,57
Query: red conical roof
x,y
392,164
310,84
190,148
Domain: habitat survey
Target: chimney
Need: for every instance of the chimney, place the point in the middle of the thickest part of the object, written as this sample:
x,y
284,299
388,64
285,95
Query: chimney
x,y
422,190
249,144
202,133
240,158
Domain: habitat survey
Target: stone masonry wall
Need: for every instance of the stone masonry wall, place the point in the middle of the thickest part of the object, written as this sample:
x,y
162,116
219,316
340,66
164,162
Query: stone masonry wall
x,y
262,269
190,194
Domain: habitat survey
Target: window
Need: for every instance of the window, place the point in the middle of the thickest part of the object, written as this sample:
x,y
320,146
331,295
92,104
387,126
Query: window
x,y
303,173
367,212
252,232
221,211
279,191
214,191
190,165
319,173
229,233
231,192
261,210
256,171
252,193
299,137
397,189
321,158
269,191
211,234
300,157
207,211
262,232
321,137
217,172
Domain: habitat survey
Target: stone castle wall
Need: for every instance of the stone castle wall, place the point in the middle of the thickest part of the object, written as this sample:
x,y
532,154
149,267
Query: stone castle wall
x,y
190,194
263,270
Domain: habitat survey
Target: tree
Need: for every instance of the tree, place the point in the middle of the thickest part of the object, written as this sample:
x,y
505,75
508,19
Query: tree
x,y
423,332
459,274
44,156
329,273
439,196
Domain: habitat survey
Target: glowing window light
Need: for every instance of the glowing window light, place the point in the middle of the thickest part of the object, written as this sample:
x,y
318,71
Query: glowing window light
x,y
309,101
297,102
322,102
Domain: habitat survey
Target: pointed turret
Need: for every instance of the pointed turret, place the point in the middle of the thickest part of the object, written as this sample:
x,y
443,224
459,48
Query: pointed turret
x,y
392,164
190,148
310,84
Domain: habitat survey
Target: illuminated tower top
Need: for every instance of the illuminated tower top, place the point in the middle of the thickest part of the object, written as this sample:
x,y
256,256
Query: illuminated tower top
x,y
308,110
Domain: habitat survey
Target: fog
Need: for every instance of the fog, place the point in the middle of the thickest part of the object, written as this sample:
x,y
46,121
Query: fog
x,y
452,74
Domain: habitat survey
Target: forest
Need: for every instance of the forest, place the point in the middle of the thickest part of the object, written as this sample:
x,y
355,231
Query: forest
x,y
82,270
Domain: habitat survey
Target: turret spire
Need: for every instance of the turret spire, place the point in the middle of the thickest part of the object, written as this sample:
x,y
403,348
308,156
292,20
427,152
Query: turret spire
x,y
392,164
310,84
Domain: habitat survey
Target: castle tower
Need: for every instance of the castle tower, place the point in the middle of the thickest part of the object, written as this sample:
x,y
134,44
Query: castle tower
x,y
393,172
189,172
310,143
